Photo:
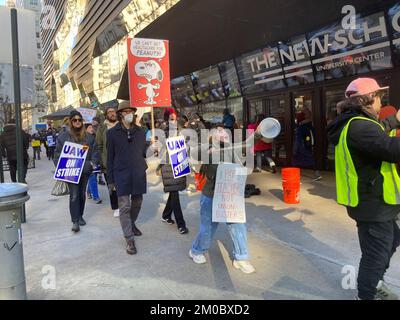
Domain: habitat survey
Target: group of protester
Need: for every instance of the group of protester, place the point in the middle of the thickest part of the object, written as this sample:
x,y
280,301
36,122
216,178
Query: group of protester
x,y
366,157
119,148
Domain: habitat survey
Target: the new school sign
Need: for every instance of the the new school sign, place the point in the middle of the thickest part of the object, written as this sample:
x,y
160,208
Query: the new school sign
x,y
71,162
178,156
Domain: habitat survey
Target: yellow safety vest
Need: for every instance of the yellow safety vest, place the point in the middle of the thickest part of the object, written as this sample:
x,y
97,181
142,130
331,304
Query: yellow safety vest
x,y
35,143
347,178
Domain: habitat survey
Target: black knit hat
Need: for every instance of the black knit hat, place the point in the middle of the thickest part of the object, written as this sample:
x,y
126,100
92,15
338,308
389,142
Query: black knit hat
x,y
75,113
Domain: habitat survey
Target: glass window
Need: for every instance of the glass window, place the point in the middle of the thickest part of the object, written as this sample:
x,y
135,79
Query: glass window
x,y
110,36
260,71
332,98
394,16
182,92
295,57
213,112
255,108
236,108
207,85
230,80
275,106
342,52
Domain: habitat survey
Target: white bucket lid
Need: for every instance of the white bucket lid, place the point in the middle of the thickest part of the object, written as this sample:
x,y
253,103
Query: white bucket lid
x,y
270,128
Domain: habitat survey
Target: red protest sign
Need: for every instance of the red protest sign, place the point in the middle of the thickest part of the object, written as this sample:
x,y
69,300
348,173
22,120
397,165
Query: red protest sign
x,y
149,78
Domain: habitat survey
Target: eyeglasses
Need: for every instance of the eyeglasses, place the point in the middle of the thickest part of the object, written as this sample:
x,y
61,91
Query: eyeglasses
x,y
76,120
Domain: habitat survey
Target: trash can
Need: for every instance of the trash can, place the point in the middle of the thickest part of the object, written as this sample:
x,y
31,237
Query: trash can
x,y
12,272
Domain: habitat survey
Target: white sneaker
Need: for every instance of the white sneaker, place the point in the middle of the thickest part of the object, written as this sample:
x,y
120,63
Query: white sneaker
x,y
197,258
116,213
244,266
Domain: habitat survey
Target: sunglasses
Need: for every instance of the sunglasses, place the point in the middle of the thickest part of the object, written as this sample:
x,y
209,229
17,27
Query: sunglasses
x,y
76,120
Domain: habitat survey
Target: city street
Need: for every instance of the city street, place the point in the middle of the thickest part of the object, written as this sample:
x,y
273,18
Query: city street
x,y
298,251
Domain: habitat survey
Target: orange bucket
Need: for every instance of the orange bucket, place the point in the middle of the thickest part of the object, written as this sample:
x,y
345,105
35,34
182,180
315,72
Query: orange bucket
x,y
200,181
291,185
291,195
291,174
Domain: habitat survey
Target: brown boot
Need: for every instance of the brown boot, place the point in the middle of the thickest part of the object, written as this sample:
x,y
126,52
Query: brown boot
x,y
130,247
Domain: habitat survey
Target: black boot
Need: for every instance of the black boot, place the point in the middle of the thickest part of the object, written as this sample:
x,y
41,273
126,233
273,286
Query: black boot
x,y
82,221
75,227
136,231
130,247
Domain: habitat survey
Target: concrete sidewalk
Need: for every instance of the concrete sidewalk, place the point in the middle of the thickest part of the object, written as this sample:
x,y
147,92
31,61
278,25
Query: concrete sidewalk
x,y
298,251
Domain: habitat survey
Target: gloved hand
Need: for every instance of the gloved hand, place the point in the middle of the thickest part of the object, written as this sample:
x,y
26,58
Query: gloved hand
x,y
111,188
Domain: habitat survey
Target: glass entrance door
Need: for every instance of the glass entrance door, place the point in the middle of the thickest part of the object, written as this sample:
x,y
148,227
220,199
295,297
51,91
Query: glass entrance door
x,y
303,131
272,106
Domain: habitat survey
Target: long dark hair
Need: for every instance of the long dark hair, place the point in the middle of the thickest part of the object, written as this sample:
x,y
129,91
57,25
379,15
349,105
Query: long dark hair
x,y
357,104
77,135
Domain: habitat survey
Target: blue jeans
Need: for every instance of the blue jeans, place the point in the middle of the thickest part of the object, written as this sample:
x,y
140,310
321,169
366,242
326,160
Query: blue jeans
x,y
93,188
237,231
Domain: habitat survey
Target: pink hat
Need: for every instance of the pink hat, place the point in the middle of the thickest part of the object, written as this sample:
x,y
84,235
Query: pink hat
x,y
363,86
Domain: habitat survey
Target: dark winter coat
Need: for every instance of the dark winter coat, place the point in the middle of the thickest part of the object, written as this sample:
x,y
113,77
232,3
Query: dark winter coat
x,y
8,143
126,164
303,155
92,156
369,145
171,184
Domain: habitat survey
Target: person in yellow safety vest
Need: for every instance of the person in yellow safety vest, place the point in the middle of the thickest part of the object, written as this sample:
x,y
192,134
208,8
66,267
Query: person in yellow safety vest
x,y
367,182
36,146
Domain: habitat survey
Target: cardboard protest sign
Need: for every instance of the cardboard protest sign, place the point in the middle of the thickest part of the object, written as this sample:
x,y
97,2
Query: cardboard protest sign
x,y
148,70
228,202
178,156
87,114
71,162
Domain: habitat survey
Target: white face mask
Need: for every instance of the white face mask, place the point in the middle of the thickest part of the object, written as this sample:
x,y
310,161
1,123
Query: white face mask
x,y
129,118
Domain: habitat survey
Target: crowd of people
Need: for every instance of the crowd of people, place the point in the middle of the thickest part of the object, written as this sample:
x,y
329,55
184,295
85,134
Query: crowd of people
x,y
366,158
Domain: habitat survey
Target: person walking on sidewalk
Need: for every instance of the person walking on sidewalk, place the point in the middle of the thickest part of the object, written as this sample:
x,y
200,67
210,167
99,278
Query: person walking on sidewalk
x,y
126,170
101,142
207,229
51,142
262,149
172,185
77,192
8,146
36,146
93,188
367,182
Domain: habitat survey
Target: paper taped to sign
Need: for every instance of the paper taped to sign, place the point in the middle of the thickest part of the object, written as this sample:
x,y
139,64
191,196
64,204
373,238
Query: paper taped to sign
x,y
228,202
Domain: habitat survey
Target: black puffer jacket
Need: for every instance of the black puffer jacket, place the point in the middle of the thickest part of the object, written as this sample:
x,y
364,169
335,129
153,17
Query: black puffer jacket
x,y
171,184
8,143
369,145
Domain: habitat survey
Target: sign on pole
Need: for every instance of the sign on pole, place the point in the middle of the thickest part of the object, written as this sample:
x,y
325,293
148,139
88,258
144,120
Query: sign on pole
x,y
87,114
148,70
71,162
51,142
228,202
178,156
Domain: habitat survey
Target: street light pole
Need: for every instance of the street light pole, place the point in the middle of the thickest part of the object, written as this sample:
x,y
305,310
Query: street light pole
x,y
17,100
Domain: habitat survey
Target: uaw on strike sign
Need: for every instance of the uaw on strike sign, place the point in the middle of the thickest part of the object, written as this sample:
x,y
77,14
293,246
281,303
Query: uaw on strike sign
x,y
178,156
148,70
71,162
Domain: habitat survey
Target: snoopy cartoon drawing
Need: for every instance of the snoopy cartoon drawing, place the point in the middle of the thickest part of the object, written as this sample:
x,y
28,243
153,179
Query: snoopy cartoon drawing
x,y
150,70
